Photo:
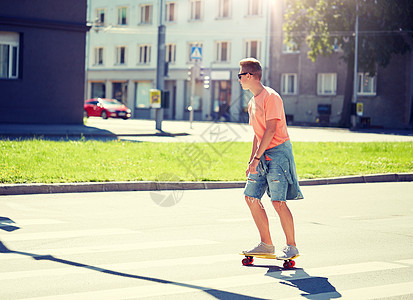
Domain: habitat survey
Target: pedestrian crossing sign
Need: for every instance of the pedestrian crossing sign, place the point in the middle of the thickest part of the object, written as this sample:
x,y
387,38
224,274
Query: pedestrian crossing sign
x,y
196,53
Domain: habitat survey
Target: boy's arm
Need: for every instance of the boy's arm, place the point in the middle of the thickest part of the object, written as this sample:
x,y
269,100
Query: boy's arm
x,y
270,127
253,151
254,147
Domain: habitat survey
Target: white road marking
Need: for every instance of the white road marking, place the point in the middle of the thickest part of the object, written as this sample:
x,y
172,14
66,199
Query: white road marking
x,y
128,267
406,261
221,283
373,292
63,234
103,248
106,248
28,222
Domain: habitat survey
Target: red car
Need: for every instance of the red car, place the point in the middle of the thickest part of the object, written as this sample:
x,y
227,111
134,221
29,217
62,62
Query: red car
x,y
106,108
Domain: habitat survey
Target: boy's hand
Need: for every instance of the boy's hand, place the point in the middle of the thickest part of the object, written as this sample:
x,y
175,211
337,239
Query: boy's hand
x,y
252,167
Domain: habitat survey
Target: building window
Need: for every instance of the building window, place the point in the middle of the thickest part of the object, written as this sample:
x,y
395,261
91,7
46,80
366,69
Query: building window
x,y
170,12
290,47
254,7
222,52
9,55
366,85
196,100
99,52
196,13
146,14
100,17
142,89
289,84
122,15
223,8
170,53
253,49
326,84
144,54
98,90
121,55
190,46
120,91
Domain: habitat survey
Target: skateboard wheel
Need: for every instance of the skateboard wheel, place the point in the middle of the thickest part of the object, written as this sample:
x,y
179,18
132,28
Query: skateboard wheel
x,y
292,262
288,264
247,261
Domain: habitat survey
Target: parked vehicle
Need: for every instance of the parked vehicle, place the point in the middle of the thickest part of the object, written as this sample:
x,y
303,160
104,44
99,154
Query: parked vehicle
x,y
106,108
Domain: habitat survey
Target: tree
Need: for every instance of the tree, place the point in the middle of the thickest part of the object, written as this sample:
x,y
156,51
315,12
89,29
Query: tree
x,y
385,29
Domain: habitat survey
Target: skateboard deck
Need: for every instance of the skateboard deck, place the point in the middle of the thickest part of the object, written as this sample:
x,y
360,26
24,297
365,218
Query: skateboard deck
x,y
249,259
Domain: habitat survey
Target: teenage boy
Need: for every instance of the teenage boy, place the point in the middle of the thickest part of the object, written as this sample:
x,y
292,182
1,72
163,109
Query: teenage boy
x,y
271,167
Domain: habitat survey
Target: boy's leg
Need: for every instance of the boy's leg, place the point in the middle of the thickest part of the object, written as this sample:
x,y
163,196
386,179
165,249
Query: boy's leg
x,y
260,218
254,190
286,219
287,224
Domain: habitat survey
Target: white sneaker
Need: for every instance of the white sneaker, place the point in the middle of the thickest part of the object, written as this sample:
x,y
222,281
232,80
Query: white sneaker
x,y
288,252
262,248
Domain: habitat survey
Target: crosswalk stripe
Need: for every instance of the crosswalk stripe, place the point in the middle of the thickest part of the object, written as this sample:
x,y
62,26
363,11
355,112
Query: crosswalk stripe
x,y
340,270
28,222
111,248
236,220
170,288
116,268
63,234
366,293
406,261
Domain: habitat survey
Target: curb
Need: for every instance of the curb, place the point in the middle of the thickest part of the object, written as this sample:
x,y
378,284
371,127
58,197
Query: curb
x,y
86,187
402,177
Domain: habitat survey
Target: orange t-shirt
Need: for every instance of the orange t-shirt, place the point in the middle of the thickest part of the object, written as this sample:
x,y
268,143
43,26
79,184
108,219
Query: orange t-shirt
x,y
268,105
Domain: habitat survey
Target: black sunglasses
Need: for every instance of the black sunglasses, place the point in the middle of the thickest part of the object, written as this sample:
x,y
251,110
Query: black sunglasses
x,y
240,74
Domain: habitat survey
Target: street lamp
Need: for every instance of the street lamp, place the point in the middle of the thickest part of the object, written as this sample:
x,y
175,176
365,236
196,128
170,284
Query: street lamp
x,y
356,42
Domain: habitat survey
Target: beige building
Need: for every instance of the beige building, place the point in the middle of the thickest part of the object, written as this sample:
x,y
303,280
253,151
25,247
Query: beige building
x,y
122,53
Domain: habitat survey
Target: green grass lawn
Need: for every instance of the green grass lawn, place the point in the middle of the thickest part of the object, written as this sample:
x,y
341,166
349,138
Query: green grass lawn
x,y
43,161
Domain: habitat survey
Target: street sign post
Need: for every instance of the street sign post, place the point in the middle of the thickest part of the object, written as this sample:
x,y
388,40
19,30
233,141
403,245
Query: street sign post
x,y
196,55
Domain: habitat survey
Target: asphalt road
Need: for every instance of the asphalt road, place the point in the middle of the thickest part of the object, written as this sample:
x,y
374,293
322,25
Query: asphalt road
x,y
356,242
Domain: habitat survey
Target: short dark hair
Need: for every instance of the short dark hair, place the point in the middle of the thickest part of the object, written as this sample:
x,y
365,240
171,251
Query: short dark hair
x,y
251,65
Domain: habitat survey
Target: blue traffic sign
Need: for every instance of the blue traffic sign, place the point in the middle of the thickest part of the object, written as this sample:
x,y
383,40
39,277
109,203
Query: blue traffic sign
x,y
196,53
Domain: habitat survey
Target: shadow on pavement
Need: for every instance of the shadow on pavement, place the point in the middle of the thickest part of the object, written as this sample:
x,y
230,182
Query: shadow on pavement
x,y
6,224
71,133
16,132
311,286
218,294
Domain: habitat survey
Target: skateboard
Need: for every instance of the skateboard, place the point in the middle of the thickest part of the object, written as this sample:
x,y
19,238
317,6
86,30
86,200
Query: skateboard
x,y
249,259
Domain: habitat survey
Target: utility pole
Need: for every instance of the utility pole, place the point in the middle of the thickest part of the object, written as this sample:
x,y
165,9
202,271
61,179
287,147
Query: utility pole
x,y
356,43
196,55
160,64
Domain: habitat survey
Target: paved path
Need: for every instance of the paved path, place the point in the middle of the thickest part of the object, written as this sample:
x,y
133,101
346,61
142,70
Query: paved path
x,y
181,131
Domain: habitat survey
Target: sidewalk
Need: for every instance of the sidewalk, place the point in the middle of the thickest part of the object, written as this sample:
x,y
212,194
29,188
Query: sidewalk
x,y
181,131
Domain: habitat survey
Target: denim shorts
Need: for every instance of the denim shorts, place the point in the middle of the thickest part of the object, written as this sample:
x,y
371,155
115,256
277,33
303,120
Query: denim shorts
x,y
274,181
